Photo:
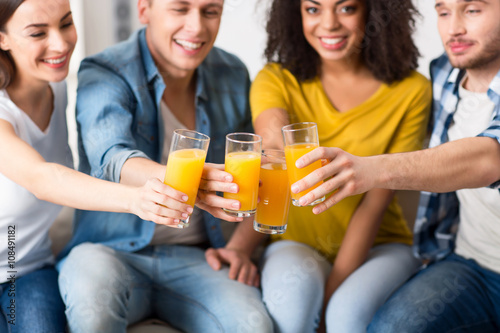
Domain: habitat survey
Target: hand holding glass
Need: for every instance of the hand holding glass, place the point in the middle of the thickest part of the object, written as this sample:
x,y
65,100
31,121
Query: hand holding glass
x,y
274,194
243,152
300,139
185,165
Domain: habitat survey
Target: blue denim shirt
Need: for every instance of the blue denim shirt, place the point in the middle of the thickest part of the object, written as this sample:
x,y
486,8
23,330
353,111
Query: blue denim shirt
x,y
118,117
438,213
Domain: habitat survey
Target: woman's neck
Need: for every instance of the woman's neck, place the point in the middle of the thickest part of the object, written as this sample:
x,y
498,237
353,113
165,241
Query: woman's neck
x,y
34,98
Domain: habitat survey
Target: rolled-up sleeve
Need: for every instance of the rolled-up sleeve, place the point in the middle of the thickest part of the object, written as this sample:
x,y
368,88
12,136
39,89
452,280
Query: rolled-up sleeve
x,y
105,114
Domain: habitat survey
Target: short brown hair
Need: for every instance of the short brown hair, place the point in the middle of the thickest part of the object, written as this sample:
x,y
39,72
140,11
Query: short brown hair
x,y
387,49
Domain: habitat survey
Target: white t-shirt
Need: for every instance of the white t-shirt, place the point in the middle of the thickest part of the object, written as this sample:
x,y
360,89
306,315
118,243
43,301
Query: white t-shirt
x,y
478,235
195,233
20,209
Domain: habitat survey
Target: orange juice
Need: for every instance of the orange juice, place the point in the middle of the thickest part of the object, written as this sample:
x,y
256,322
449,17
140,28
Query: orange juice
x,y
245,169
292,154
274,194
184,169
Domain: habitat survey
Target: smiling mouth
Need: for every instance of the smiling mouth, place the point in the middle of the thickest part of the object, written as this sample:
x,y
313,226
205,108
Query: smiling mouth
x,y
55,61
331,41
188,45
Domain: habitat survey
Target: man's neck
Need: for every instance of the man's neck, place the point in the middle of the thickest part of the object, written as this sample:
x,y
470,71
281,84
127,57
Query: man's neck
x,y
479,79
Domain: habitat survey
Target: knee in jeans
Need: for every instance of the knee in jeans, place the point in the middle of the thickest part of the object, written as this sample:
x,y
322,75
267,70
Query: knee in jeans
x,y
92,271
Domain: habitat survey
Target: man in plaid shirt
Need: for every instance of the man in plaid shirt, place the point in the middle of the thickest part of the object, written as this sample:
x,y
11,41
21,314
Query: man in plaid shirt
x,y
457,231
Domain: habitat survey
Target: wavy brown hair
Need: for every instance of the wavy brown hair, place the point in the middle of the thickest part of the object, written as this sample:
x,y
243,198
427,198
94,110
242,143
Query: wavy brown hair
x,y
387,49
7,65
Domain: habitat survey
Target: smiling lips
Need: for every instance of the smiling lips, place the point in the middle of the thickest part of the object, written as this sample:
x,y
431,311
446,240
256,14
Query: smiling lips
x,y
333,43
56,62
187,45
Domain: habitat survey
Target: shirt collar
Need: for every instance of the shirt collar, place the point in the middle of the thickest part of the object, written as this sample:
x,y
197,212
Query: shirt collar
x,y
456,76
147,58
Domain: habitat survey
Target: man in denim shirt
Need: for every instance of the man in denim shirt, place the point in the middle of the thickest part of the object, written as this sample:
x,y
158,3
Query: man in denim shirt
x,y
121,269
458,225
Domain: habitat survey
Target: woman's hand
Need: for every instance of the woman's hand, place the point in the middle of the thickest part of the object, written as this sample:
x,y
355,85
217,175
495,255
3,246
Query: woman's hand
x,y
241,268
160,203
215,179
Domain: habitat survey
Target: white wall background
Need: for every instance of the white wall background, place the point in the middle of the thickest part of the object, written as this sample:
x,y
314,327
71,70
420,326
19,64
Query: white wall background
x,y
241,32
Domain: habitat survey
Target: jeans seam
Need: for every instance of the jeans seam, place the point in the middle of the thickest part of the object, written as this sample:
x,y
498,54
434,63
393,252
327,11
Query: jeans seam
x,y
193,302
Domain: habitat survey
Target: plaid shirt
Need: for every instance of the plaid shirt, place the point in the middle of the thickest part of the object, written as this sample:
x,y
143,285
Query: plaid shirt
x,y
438,214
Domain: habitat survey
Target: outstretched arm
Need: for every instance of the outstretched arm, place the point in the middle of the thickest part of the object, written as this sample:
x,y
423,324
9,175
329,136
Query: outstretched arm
x,y
466,163
61,185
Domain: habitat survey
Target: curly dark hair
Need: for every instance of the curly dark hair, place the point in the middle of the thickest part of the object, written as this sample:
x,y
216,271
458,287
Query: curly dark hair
x,y
387,49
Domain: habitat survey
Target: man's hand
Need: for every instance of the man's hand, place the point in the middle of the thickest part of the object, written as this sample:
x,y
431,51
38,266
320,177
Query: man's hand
x,y
350,175
215,179
241,268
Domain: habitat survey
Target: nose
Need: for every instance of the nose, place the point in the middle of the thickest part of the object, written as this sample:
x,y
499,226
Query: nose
x,y
456,25
194,22
58,42
329,21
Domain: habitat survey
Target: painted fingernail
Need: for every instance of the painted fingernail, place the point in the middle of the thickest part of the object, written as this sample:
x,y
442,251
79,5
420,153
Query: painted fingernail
x,y
295,188
299,164
190,210
235,205
302,201
184,198
177,221
234,189
184,215
228,179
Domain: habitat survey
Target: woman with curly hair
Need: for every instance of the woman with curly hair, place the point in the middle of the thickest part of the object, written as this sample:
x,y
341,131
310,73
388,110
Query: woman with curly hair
x,y
349,66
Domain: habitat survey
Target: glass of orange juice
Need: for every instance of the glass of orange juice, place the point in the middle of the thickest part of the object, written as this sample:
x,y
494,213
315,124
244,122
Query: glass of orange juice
x,y
274,194
243,155
300,139
185,163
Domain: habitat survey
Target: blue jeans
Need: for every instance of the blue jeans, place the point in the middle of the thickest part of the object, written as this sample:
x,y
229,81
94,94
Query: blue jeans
x,y
294,277
38,304
453,295
106,290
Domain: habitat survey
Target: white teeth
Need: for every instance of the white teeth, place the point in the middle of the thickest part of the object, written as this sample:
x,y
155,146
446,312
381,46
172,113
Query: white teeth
x,y
55,61
188,45
331,41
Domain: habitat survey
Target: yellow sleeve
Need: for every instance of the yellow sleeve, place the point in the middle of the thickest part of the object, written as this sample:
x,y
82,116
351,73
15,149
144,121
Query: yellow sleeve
x,y
268,91
411,132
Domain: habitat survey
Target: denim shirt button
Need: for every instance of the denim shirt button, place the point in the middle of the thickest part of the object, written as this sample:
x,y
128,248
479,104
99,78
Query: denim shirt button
x,y
213,227
152,138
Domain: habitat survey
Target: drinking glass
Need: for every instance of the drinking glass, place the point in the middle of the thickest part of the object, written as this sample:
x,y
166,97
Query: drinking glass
x,y
243,155
185,165
300,139
274,194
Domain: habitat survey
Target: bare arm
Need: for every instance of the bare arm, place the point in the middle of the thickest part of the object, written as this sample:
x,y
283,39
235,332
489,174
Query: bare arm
x,y
268,125
136,171
466,163
359,238
61,185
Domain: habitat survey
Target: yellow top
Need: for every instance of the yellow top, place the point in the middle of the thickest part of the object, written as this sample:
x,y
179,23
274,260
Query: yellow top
x,y
392,120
